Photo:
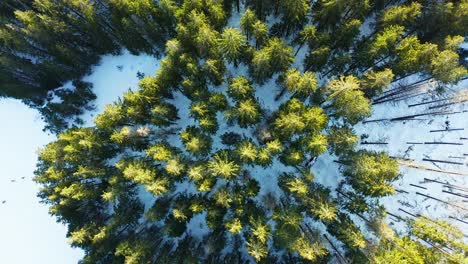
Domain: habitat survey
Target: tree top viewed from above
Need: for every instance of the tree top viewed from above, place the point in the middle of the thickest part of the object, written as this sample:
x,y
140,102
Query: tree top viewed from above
x,y
214,159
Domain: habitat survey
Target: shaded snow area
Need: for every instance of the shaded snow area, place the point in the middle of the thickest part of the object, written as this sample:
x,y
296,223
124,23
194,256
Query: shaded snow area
x,y
427,132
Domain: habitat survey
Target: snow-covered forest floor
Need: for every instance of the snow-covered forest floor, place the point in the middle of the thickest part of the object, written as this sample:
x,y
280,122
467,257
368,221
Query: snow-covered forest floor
x,y
431,149
111,78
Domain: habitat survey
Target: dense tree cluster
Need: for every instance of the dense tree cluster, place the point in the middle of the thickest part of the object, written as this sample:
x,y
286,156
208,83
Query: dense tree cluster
x,y
196,167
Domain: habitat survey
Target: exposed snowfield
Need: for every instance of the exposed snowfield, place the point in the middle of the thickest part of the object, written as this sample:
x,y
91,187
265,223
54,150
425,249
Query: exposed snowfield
x,y
111,78
28,234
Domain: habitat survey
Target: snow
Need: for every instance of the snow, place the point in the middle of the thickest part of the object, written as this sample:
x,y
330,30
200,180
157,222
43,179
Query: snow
x,y
55,99
52,96
183,110
197,226
268,178
114,76
398,133
367,28
234,19
28,233
327,172
110,79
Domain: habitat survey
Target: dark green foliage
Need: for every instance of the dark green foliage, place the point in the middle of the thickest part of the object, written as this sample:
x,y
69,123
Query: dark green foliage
x,y
230,138
292,156
246,112
274,57
240,88
294,117
60,115
346,231
342,140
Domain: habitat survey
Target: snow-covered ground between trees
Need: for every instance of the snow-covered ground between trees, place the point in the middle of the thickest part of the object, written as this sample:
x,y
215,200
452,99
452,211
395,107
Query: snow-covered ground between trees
x,y
442,137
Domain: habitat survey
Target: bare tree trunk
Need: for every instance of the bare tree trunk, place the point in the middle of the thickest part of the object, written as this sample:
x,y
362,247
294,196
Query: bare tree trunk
x,y
429,102
446,184
418,186
448,104
298,49
442,201
415,216
336,249
374,143
456,194
446,130
444,161
451,217
443,143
